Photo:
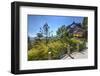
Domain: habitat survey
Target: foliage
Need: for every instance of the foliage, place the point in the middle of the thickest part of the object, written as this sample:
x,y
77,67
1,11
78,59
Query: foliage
x,y
82,46
39,35
85,22
46,29
29,43
85,27
38,52
62,31
58,45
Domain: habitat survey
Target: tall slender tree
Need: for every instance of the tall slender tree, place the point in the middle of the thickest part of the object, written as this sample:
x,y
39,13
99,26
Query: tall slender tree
x,y
85,27
46,31
29,43
85,23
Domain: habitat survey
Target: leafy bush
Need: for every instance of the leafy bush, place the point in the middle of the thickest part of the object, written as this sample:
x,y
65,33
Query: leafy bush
x,y
82,46
40,50
56,49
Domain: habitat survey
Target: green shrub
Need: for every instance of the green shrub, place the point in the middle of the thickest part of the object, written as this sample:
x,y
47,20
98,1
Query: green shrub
x,y
82,46
57,47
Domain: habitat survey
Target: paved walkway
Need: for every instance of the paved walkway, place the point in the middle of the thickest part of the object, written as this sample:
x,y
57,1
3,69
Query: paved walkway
x,y
77,55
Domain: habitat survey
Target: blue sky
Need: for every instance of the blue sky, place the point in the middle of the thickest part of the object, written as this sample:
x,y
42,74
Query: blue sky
x,y
35,22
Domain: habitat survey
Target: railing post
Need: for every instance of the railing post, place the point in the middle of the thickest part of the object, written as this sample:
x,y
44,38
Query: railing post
x,y
68,49
77,47
49,55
